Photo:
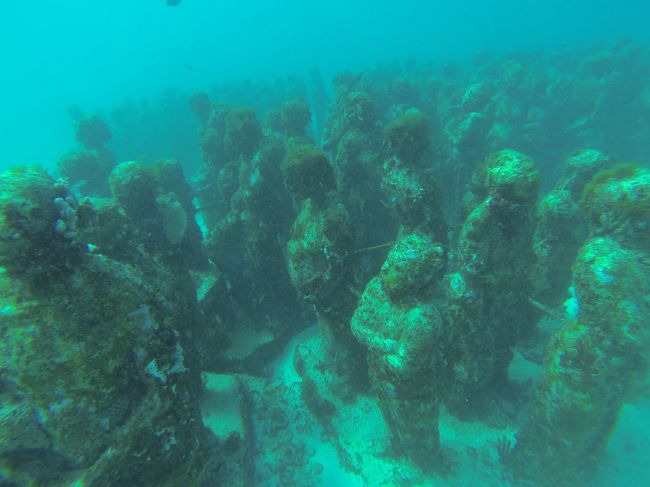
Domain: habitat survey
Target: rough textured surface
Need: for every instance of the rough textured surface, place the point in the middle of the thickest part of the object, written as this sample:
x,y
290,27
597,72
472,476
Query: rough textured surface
x,y
307,172
561,228
487,304
617,203
122,382
465,331
96,359
30,245
395,321
322,270
595,363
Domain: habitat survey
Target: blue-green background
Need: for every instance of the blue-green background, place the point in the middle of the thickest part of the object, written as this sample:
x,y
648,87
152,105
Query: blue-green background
x,y
94,53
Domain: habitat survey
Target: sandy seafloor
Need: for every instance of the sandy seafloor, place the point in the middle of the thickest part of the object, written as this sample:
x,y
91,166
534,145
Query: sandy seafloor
x,y
470,446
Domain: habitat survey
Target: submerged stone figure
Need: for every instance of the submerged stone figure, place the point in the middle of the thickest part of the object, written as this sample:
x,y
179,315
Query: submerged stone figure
x,y
599,359
159,199
246,214
487,298
110,305
100,382
561,227
354,136
398,322
320,263
397,318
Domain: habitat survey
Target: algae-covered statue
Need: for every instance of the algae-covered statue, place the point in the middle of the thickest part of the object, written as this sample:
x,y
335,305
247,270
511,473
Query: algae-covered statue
x,y
398,318
100,380
440,277
598,360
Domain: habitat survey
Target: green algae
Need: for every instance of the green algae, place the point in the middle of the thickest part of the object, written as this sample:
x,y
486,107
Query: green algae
x,y
294,117
620,172
617,202
411,264
513,173
307,172
595,363
30,245
408,136
242,133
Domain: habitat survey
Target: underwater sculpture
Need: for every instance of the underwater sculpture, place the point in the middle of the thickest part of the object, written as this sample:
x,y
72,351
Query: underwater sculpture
x,y
487,298
599,359
353,134
159,199
36,226
329,256
107,393
245,212
397,318
561,228
321,265
422,253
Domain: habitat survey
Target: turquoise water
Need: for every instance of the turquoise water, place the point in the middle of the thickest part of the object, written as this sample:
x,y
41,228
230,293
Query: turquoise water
x,y
324,244
96,54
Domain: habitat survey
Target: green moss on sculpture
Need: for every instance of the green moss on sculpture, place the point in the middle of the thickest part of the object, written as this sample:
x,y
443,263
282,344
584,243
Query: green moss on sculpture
x,y
98,368
403,367
243,133
594,365
295,116
411,264
580,168
616,202
135,188
617,173
561,227
415,195
107,382
559,231
512,174
30,246
212,136
317,253
159,201
487,302
358,110
408,136
353,111
307,172
611,177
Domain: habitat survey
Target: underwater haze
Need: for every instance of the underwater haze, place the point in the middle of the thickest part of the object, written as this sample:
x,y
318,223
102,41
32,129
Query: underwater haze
x,y
95,54
377,244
